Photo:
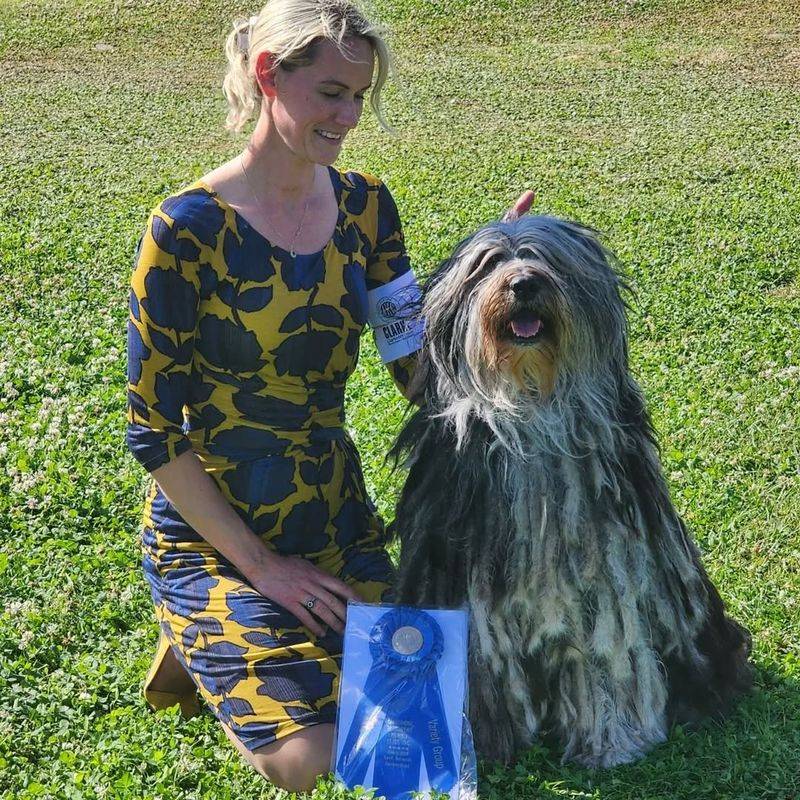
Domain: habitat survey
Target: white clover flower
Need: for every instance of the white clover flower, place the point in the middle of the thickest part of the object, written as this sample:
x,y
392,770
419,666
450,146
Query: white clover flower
x,y
126,595
788,372
18,608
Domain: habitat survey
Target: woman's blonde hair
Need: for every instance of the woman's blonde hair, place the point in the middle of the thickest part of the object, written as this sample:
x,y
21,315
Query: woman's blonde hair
x,y
290,30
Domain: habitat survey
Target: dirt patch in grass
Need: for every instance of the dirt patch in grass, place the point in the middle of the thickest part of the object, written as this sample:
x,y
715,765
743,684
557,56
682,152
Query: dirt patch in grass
x,y
766,35
786,291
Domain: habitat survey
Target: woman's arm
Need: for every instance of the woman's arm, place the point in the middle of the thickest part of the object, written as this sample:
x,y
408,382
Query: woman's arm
x,y
393,295
200,502
402,371
286,580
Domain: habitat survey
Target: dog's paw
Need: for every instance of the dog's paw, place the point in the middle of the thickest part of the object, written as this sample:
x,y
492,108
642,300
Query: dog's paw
x,y
603,759
626,749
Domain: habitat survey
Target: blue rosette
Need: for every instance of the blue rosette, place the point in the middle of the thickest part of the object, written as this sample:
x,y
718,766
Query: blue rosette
x,y
400,720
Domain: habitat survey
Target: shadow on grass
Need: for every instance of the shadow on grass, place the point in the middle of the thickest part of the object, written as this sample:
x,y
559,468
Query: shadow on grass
x,y
753,755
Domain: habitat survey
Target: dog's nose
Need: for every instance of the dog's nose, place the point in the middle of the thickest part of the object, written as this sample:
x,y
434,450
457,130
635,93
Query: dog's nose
x,y
526,288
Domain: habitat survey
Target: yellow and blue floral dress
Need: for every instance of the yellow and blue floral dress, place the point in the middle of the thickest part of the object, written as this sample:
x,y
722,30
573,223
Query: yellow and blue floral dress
x,y
240,352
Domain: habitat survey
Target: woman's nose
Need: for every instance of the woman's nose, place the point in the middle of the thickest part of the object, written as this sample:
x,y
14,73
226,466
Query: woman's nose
x,y
349,114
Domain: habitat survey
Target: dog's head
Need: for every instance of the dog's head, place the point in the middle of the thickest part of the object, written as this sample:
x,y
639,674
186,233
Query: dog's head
x,y
519,307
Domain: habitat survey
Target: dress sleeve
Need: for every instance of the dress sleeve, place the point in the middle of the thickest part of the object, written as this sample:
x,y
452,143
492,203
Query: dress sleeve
x,y
394,295
164,303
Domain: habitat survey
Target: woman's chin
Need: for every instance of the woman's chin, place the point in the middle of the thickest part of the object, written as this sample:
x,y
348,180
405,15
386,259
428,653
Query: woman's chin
x,y
326,153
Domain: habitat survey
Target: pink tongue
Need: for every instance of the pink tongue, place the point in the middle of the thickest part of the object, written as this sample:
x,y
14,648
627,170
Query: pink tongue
x,y
526,329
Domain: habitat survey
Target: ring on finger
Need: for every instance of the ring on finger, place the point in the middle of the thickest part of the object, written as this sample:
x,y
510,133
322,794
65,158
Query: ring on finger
x,y
310,602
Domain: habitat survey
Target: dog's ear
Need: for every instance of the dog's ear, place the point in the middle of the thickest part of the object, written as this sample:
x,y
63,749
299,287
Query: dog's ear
x,y
606,259
439,319
596,252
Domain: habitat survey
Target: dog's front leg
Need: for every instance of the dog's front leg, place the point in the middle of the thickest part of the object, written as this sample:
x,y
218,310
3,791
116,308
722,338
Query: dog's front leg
x,y
607,712
493,728
501,706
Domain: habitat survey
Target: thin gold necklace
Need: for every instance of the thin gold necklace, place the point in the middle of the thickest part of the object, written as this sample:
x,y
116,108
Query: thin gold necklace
x,y
292,251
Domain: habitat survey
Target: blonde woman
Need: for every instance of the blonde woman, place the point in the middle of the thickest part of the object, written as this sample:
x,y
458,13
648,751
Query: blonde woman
x,y
249,294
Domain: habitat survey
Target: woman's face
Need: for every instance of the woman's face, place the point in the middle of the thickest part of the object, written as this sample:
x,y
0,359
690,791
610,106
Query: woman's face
x,y
315,107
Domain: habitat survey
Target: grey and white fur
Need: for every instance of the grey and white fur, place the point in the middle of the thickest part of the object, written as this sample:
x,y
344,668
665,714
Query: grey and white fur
x,y
535,494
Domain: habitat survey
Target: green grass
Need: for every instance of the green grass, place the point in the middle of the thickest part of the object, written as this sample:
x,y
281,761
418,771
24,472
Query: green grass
x,y
671,126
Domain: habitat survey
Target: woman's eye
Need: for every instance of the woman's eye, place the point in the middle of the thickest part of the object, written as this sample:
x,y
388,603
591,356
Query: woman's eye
x,y
330,94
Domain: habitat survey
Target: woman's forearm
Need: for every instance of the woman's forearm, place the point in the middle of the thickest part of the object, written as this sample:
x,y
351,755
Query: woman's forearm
x,y
201,503
290,582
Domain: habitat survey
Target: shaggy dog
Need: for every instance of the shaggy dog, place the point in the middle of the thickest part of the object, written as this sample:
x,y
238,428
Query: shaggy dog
x,y
535,494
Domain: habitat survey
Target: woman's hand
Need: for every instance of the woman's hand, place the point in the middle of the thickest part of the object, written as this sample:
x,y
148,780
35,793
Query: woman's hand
x,y
293,582
521,207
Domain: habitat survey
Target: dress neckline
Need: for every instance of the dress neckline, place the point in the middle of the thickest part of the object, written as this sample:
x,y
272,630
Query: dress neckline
x,y
338,191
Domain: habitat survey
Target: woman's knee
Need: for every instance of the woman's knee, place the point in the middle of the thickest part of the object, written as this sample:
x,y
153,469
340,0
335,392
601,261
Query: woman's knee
x,y
295,762
300,776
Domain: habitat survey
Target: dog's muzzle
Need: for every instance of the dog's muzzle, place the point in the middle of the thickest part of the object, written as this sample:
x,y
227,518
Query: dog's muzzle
x,y
527,324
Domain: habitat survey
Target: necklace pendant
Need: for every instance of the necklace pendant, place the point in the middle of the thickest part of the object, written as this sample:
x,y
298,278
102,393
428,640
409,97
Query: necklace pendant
x,y
292,253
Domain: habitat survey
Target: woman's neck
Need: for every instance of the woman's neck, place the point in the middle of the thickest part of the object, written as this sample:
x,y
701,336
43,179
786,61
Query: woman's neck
x,y
272,166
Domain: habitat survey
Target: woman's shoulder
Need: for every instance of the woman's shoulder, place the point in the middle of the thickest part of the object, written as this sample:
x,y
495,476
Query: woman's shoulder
x,y
359,187
357,179
368,194
194,208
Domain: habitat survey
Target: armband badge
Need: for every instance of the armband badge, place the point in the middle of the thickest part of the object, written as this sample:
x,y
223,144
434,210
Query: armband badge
x,y
394,314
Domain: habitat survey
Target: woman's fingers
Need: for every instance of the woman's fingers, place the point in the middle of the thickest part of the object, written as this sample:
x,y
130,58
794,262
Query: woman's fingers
x,y
521,207
293,575
307,620
338,587
325,613
327,600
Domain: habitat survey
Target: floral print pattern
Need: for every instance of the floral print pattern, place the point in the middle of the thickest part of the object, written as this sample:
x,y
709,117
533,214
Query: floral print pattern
x,y
241,352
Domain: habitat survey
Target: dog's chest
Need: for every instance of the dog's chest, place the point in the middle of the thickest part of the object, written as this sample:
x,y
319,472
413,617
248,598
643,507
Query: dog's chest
x,y
538,568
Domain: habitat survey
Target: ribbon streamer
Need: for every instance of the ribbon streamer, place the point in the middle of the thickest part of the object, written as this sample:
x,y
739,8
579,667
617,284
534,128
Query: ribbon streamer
x,y
400,718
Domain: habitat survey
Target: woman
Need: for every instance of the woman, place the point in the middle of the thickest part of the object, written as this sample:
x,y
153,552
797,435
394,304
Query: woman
x,y
249,294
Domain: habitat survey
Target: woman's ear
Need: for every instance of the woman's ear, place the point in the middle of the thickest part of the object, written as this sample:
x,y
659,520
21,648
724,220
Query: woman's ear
x,y
265,73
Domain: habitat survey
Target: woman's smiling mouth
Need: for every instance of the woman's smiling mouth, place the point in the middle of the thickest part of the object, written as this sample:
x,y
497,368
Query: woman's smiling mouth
x,y
329,136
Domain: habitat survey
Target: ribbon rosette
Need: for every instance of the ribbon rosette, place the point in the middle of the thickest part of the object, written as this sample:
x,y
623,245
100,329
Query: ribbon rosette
x,y
400,718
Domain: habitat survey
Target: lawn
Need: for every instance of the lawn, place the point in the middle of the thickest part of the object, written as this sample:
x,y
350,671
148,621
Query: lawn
x,y
672,126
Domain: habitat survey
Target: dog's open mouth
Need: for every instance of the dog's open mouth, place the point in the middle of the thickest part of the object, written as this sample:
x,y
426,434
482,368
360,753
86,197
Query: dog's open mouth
x,y
526,327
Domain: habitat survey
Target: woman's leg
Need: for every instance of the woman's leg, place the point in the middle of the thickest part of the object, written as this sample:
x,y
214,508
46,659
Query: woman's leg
x,y
293,762
170,676
168,683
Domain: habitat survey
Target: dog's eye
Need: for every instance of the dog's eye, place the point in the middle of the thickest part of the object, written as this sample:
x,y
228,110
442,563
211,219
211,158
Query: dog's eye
x,y
491,261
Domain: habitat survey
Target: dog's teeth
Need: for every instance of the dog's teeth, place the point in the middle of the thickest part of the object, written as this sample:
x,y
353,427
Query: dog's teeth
x,y
526,329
